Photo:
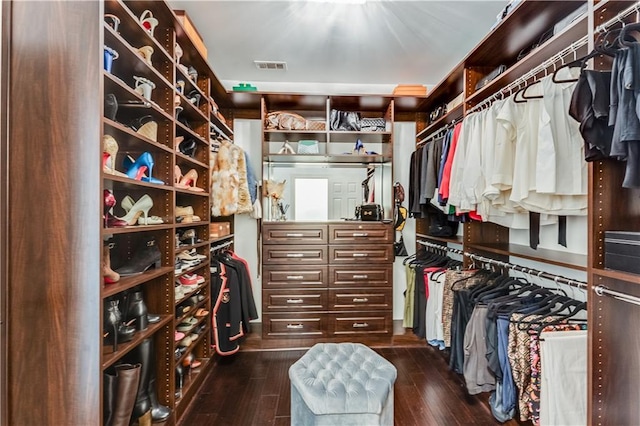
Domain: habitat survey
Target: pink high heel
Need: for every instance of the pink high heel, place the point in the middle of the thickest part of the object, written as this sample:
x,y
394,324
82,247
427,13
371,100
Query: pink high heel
x,y
189,181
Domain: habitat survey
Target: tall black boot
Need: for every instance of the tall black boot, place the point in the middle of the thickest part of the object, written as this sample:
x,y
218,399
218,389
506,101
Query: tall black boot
x,y
159,412
109,395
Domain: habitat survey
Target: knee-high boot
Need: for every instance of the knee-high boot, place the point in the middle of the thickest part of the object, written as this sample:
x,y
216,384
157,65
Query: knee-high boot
x,y
142,354
128,377
109,397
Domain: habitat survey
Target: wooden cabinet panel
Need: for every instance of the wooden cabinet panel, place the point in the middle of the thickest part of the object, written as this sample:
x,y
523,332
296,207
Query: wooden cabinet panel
x,y
359,323
294,325
294,300
360,298
360,275
365,254
291,255
294,234
360,233
294,276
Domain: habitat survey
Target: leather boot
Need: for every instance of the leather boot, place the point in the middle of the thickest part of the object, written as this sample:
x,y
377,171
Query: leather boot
x,y
159,412
110,383
128,377
108,274
147,255
136,310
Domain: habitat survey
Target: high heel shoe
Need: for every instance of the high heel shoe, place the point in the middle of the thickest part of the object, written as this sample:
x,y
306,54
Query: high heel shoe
x,y
188,147
110,106
194,98
179,380
109,155
146,256
146,126
189,181
135,169
109,275
110,221
127,203
118,331
141,207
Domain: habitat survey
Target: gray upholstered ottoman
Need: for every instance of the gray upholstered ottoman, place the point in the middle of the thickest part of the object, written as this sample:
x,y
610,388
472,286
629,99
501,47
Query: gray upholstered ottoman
x,y
342,384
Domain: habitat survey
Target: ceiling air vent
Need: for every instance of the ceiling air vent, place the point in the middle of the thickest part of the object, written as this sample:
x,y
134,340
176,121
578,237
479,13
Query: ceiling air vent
x,y
271,65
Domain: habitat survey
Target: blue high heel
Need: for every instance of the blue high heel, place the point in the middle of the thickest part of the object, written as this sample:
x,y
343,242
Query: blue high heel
x,y
136,169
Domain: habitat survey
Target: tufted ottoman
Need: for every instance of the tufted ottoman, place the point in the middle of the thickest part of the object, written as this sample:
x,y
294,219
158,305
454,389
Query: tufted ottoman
x,y
342,384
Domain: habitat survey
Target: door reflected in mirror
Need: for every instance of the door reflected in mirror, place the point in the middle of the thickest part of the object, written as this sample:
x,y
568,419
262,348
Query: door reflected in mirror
x,y
311,199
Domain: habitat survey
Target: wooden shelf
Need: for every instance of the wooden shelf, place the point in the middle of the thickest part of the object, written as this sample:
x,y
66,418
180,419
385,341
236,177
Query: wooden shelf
x,y
195,342
196,290
109,357
192,224
191,110
126,283
323,158
137,228
458,239
617,275
153,145
221,125
449,117
186,191
216,240
553,257
192,382
191,160
185,129
135,184
133,100
192,311
191,246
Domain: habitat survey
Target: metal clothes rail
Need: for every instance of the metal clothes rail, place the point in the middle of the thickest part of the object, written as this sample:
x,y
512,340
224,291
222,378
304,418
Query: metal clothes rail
x,y
221,246
540,274
619,18
601,290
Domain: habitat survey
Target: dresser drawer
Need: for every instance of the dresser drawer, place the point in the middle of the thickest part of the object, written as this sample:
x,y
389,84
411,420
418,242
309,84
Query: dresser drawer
x,y
293,255
294,234
360,276
368,254
297,276
360,233
294,300
360,323
360,299
294,325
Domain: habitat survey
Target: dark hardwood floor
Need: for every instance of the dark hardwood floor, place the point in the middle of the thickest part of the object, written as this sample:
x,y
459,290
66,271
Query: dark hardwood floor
x,y
252,388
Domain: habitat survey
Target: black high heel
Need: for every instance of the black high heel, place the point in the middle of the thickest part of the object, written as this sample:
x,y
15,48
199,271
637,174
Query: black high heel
x,y
117,330
188,147
194,97
179,380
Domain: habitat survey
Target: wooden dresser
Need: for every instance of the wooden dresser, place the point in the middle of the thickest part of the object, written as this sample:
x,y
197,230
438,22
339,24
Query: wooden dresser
x,y
327,281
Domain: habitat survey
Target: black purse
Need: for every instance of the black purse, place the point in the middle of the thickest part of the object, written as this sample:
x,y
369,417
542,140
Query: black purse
x,y
369,212
399,248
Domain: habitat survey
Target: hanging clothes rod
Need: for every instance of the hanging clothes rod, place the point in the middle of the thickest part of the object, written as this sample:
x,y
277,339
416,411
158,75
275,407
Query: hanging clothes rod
x,y
540,274
619,18
601,290
434,135
221,246
573,48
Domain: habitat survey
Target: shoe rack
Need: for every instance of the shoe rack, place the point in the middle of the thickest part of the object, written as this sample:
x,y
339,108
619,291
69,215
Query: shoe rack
x,y
183,107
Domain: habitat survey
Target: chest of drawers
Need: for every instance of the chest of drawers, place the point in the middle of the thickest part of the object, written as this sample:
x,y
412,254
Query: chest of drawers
x,y
327,281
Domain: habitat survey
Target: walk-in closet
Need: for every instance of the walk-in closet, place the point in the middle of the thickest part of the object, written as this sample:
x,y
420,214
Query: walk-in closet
x,y
319,212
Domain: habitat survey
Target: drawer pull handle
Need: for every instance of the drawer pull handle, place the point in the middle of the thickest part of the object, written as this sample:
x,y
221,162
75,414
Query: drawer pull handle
x,y
295,254
360,299
360,254
295,300
360,234
295,235
360,277
360,325
295,326
295,277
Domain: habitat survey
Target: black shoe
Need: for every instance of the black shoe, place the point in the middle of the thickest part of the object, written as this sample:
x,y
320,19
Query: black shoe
x,y
145,257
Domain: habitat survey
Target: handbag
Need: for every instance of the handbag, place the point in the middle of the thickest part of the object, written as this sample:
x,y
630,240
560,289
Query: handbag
x,y
348,121
373,125
369,212
308,147
399,248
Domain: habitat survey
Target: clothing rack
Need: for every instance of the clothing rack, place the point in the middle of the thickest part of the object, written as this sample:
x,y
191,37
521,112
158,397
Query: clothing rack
x,y
435,134
540,274
221,246
601,290
619,18
573,48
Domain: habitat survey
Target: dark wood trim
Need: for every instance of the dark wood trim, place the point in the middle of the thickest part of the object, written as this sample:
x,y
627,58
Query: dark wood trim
x,y
5,25
54,209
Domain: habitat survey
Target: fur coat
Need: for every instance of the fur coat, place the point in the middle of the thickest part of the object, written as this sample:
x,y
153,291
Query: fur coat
x,y
229,187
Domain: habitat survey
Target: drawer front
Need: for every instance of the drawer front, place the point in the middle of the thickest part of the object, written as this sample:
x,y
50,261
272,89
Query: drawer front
x,y
293,255
369,254
294,234
294,325
360,324
298,276
360,299
294,300
362,233
360,276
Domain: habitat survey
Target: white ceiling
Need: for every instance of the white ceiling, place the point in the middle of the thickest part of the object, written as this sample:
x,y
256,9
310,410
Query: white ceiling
x,y
338,48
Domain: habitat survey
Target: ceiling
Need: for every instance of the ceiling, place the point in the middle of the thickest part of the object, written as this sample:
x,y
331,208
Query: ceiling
x,y
338,48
